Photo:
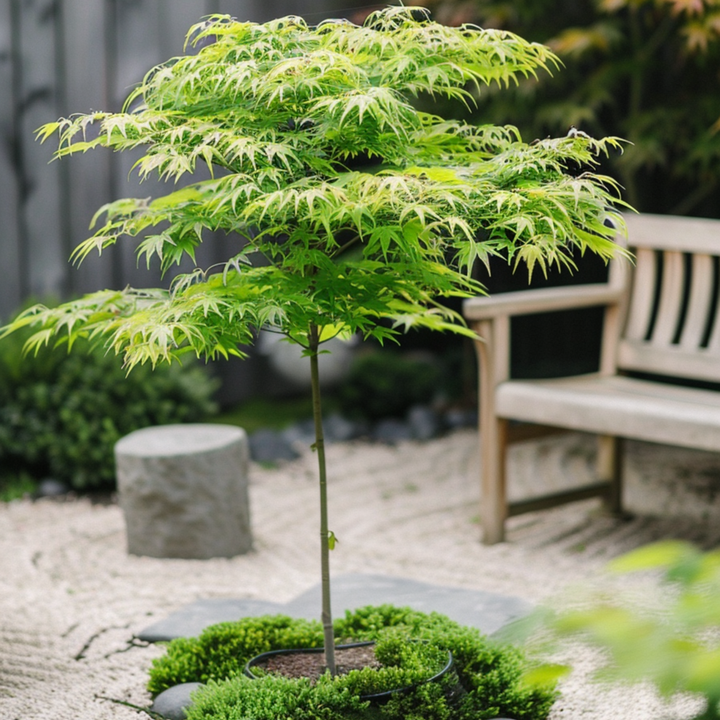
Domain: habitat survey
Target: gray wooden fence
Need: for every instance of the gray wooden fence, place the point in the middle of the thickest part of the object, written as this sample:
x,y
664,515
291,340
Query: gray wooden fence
x,y
59,57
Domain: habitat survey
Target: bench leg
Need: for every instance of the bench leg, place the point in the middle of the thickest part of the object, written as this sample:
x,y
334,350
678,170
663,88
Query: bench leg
x,y
610,452
493,503
493,347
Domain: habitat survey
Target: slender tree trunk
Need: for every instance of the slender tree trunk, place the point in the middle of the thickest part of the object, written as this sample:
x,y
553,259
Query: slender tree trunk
x,y
326,616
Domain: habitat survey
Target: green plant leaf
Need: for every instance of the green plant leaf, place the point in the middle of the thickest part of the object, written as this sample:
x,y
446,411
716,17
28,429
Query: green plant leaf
x,y
544,676
657,555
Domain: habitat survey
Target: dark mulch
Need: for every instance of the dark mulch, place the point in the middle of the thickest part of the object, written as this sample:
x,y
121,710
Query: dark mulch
x,y
312,665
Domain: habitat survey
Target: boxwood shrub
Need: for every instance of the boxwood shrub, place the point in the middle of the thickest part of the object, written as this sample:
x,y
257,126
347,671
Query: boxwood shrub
x,y
490,674
61,413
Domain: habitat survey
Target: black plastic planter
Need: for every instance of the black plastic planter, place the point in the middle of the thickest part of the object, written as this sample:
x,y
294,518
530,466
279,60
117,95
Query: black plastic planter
x,y
375,698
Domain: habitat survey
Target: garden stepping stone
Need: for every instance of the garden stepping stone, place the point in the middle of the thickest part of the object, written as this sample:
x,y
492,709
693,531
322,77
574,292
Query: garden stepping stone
x,y
192,619
487,611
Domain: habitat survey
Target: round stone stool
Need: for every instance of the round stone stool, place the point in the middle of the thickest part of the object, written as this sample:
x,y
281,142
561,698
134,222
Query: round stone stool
x,y
183,490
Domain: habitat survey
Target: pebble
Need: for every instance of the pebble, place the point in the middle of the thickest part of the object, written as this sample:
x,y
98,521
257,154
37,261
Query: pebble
x,y
172,702
270,446
391,431
422,423
49,487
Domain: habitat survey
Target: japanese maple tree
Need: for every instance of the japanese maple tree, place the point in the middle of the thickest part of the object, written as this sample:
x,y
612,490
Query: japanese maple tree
x,y
353,210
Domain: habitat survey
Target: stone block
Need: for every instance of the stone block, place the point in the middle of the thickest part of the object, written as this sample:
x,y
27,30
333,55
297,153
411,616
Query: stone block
x,y
183,490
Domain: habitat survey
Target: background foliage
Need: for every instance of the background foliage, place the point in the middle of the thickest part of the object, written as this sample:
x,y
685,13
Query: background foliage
x,y
673,640
384,384
61,414
646,70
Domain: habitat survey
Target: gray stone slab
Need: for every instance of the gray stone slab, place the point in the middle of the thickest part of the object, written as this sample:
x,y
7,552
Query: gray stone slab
x,y
486,611
192,619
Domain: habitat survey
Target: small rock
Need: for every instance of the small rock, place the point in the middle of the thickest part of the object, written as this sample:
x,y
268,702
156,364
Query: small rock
x,y
424,422
456,419
335,427
49,487
172,702
340,429
391,431
301,432
271,445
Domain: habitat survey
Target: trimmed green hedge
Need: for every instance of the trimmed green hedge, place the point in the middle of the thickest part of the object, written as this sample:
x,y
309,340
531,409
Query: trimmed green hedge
x,y
489,673
61,413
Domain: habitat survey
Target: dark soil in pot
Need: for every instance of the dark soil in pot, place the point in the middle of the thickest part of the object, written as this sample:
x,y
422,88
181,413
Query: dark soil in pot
x,y
311,664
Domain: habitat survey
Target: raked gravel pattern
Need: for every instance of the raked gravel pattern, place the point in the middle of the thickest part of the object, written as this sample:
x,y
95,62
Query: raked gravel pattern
x,y
71,599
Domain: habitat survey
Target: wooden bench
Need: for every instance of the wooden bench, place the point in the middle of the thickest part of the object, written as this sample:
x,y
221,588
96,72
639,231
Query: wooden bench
x,y
661,318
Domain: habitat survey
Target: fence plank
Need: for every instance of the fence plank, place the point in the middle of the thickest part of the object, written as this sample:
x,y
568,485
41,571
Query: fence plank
x,y
88,174
314,11
41,204
137,27
176,18
11,289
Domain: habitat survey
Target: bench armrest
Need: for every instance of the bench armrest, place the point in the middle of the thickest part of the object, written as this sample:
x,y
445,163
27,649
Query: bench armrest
x,y
528,302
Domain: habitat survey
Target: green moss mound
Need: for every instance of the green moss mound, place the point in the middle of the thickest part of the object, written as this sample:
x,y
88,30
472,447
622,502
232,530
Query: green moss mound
x,y
489,673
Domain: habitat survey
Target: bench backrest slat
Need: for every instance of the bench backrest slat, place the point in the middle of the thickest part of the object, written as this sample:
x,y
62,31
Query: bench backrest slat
x,y
672,285
673,322
714,342
643,294
698,310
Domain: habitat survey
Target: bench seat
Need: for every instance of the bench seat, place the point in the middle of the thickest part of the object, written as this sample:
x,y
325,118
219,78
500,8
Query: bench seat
x,y
617,405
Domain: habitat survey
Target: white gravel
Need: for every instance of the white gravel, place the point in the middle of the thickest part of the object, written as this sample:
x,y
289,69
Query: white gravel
x,y
71,598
